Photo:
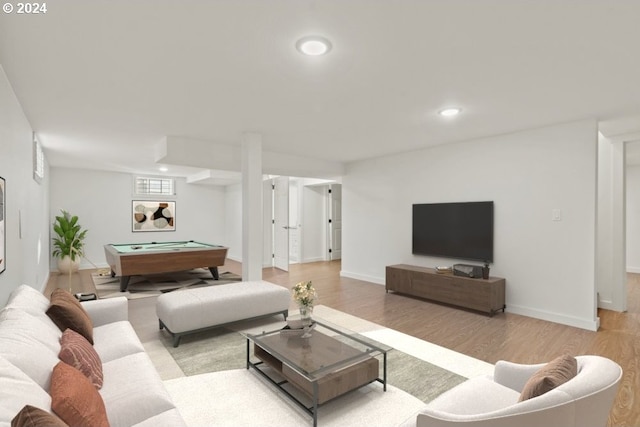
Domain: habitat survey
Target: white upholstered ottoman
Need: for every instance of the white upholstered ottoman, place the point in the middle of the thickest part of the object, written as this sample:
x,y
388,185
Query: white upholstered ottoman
x,y
193,310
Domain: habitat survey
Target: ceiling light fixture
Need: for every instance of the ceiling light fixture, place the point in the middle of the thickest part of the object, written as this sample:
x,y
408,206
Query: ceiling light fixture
x,y
163,169
313,45
449,112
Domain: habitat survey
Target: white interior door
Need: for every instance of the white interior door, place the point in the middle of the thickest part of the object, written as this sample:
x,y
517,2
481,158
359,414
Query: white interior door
x,y
335,221
294,221
281,223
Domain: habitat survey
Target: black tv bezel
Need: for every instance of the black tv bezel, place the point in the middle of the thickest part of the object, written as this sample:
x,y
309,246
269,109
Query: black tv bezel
x,y
459,256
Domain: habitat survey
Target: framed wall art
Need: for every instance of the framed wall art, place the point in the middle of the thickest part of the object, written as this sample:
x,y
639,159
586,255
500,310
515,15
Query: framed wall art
x,y
149,215
3,216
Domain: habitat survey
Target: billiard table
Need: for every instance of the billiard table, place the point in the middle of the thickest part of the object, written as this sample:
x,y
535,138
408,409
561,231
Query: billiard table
x,y
135,259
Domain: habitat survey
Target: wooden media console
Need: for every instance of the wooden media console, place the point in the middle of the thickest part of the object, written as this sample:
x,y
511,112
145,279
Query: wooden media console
x,y
486,295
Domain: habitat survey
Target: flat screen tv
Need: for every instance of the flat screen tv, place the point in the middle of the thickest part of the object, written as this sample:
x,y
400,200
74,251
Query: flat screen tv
x,y
454,230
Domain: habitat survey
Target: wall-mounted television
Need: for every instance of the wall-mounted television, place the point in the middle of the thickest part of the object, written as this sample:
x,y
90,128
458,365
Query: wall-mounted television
x,y
454,230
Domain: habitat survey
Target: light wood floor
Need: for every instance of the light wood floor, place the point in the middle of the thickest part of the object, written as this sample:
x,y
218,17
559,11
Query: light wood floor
x,y
505,336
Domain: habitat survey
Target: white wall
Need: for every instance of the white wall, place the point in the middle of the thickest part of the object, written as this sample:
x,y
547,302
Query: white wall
x,y
548,265
633,219
27,202
102,201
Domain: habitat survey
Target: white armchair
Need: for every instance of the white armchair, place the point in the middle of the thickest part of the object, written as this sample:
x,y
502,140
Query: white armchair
x,y
583,401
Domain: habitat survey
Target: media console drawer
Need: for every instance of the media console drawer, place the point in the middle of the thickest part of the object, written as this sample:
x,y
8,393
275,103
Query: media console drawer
x,y
486,295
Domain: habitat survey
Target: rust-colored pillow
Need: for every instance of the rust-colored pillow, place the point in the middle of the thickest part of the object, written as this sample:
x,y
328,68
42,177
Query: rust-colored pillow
x,y
76,351
75,399
557,372
30,416
66,312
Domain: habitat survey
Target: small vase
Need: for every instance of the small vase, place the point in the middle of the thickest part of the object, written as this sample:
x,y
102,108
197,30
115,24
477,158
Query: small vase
x,y
305,314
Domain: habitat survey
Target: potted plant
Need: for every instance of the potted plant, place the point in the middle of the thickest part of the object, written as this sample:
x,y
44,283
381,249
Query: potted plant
x,y
69,243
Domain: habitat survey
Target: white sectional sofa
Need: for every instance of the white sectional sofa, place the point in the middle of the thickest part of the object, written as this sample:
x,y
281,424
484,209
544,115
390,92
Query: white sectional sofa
x,y
132,391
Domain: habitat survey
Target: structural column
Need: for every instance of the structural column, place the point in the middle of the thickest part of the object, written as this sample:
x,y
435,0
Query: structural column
x,y
252,233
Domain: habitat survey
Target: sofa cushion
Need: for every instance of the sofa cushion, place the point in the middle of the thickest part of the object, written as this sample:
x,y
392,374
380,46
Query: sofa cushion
x,y
555,373
19,322
134,390
17,390
30,416
28,299
464,399
66,312
28,346
76,351
116,340
171,418
75,399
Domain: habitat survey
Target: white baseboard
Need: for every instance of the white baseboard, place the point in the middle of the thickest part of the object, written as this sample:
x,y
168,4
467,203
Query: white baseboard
x,y
312,259
372,279
89,266
633,269
588,324
607,305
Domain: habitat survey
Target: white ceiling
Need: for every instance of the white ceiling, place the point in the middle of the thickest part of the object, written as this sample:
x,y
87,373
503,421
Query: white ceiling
x,y
104,81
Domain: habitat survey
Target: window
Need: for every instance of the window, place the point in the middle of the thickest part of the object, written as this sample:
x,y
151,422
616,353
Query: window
x,y
38,160
149,186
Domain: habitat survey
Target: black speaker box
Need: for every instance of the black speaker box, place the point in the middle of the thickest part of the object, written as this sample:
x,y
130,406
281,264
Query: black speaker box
x,y
467,270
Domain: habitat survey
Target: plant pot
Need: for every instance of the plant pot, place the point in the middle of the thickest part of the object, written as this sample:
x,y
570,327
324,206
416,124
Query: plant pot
x,y
67,266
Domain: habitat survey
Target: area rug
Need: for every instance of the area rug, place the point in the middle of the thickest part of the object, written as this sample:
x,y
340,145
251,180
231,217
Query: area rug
x,y
156,284
219,390
223,349
240,397
418,371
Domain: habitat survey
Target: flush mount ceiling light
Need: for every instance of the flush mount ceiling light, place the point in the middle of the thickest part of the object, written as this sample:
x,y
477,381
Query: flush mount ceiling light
x,y
313,45
163,169
450,112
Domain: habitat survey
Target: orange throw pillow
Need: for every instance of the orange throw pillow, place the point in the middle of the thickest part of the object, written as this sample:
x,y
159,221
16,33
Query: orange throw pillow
x,y
67,312
75,399
557,372
77,352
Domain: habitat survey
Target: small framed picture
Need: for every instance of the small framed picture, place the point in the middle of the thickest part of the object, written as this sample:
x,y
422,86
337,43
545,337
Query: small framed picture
x,y
149,215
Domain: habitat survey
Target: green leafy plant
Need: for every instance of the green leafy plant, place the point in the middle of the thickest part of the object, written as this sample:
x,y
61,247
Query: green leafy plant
x,y
70,239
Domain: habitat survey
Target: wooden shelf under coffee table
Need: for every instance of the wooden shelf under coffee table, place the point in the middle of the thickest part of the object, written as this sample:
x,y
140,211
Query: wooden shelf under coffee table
x,y
328,364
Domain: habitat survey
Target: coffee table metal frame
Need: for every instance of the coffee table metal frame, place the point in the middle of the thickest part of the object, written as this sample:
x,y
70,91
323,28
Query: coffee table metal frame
x,y
373,349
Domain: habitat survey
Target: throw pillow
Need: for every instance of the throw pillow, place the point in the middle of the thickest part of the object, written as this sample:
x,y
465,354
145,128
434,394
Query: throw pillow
x,y
30,416
557,372
66,312
75,399
76,351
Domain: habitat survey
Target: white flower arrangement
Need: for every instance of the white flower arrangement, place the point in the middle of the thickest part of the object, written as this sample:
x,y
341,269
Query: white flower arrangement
x,y
304,293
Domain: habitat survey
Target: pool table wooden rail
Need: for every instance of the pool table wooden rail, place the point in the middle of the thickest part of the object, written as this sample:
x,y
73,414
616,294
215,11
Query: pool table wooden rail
x,y
144,262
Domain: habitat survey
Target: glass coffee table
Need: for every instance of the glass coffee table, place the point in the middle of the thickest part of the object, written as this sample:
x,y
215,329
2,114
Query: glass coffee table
x,y
328,363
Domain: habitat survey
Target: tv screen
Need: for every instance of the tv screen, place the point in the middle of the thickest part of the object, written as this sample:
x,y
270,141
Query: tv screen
x,y
454,230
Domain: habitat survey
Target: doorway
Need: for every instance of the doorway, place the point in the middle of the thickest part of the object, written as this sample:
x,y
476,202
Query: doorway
x,y
303,221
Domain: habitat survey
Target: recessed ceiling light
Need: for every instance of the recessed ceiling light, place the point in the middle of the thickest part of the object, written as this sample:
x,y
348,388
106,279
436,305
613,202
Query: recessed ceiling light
x,y
449,112
313,45
163,169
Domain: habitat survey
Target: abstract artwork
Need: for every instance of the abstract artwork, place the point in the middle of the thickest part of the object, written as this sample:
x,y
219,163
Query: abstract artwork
x,y
150,215
3,215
